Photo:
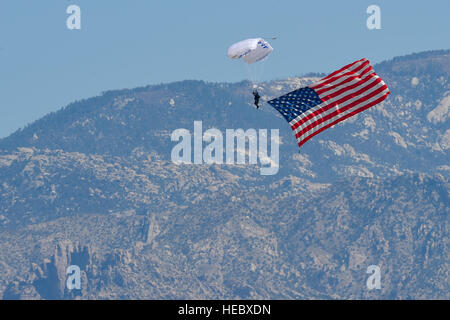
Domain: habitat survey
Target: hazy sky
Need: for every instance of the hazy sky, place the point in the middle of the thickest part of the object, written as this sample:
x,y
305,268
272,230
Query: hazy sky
x,y
124,44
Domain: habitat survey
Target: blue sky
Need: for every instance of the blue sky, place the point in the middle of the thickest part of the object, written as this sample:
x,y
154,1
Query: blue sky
x,y
124,44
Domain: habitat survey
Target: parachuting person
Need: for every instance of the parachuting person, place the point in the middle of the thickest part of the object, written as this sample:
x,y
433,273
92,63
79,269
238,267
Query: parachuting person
x,y
256,95
251,51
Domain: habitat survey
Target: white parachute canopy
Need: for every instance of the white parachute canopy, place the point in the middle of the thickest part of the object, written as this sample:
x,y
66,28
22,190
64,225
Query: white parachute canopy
x,y
250,50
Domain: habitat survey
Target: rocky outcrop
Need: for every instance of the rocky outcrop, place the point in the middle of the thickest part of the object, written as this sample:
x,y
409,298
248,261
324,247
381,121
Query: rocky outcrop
x,y
93,185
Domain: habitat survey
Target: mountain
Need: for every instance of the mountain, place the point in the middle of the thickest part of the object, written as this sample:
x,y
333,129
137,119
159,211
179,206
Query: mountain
x,y
93,184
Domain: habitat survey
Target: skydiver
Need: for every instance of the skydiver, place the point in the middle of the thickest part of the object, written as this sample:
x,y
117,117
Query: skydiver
x,y
256,95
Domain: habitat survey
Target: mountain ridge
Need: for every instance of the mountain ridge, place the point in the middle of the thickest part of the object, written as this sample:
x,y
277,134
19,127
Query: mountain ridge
x,y
379,67
94,184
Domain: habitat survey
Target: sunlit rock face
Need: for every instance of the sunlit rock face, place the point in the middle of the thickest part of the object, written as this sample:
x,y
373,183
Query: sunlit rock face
x,y
93,185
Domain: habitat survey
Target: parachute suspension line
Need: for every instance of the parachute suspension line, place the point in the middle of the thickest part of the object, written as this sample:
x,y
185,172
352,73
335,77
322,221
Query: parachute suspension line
x,y
255,72
251,75
261,69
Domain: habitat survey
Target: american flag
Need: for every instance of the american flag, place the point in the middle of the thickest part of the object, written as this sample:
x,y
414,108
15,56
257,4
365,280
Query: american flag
x,y
340,95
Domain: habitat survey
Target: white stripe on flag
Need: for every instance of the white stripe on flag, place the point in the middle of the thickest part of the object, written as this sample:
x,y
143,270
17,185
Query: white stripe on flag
x,y
340,115
331,90
341,96
351,68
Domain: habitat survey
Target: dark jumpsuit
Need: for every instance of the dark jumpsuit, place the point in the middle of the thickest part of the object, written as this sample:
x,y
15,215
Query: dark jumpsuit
x,y
256,94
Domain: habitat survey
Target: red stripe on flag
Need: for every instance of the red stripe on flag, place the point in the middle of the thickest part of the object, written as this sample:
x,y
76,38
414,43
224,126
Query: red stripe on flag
x,y
340,110
300,143
353,86
334,78
349,79
343,68
333,104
